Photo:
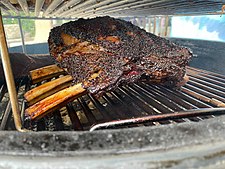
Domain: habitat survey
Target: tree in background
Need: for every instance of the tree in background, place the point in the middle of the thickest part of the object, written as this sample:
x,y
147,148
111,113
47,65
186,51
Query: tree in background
x,y
28,25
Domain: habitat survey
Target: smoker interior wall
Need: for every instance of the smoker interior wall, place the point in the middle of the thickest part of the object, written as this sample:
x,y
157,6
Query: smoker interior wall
x,y
208,55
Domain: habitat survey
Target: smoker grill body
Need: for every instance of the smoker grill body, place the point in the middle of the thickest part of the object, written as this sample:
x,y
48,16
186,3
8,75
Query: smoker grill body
x,y
186,144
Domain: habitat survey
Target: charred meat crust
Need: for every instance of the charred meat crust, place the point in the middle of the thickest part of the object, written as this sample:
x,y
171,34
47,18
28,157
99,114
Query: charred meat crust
x,y
120,51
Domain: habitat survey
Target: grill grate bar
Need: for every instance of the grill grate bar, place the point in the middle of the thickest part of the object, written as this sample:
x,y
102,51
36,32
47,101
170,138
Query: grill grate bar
x,y
210,75
207,88
179,104
150,100
9,6
58,121
24,6
169,101
158,117
154,101
147,11
38,5
142,8
119,6
196,95
131,108
141,104
90,8
161,103
41,125
210,84
138,104
146,8
189,98
3,90
173,106
91,118
105,114
121,111
52,6
136,107
114,108
210,80
177,100
60,10
74,118
5,116
204,92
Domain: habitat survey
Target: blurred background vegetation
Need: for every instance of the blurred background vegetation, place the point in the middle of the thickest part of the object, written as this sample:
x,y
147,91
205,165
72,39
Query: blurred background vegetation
x,y
28,24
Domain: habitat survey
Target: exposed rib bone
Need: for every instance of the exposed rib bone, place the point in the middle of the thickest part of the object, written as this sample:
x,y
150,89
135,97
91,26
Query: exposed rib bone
x,y
46,72
56,101
38,93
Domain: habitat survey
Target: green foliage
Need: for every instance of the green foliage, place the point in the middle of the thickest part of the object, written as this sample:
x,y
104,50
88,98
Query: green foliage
x,y
28,25
10,21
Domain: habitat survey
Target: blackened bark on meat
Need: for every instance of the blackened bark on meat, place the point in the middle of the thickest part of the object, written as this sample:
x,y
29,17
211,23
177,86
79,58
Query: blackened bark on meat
x,y
120,51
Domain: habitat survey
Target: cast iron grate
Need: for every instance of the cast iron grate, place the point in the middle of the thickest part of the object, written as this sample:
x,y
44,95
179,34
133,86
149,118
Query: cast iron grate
x,y
134,105
116,8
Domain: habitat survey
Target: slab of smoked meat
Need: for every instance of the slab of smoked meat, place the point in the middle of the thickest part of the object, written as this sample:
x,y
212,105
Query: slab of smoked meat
x,y
118,51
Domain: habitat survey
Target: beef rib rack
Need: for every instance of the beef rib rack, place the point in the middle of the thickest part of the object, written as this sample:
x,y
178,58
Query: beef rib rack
x,y
118,51
99,55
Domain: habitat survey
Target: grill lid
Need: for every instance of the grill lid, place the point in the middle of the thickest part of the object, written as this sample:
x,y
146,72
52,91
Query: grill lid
x,y
116,8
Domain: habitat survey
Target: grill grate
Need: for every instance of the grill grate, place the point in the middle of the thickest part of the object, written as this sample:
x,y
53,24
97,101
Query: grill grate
x,y
116,8
139,104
